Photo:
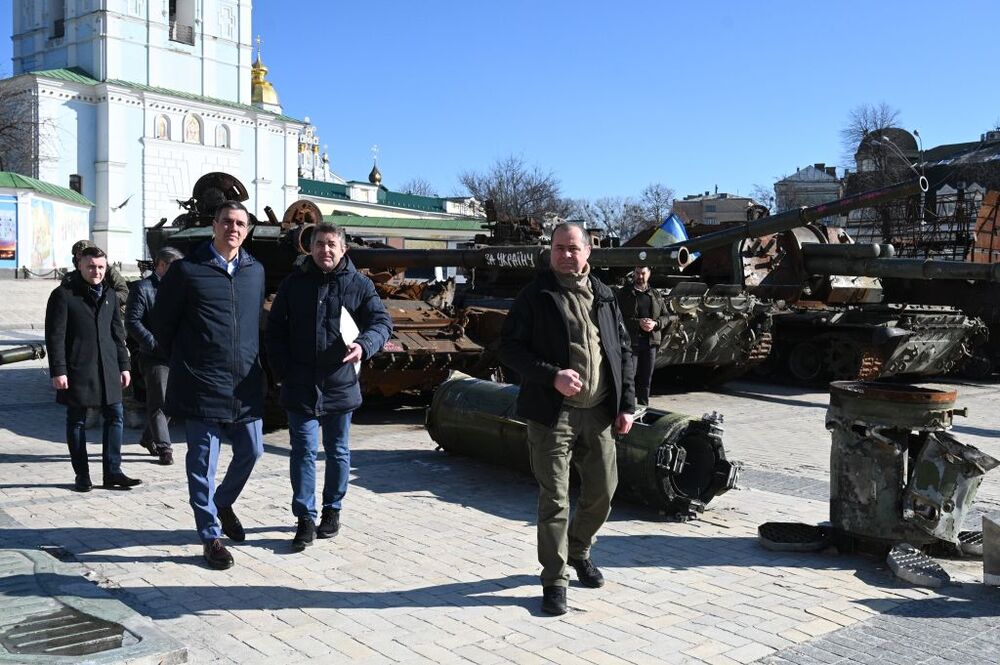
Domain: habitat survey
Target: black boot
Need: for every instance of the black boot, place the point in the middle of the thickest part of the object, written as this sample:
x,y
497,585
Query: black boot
x,y
329,523
587,572
305,534
554,600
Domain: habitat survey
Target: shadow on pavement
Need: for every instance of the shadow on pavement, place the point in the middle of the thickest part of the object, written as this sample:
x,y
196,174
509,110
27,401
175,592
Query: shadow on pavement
x,y
177,601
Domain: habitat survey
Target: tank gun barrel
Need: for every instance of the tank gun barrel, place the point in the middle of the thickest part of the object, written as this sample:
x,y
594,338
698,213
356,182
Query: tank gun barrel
x,y
22,353
794,218
847,250
517,256
902,268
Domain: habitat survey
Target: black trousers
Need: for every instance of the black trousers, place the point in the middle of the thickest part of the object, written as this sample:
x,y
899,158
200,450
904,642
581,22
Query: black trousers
x,y
156,432
645,360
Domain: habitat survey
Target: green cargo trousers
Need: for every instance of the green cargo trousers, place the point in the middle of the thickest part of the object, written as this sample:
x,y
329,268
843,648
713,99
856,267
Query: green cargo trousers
x,y
583,435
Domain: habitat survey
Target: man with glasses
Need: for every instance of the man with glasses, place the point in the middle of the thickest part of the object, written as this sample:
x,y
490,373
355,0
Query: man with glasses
x,y
206,320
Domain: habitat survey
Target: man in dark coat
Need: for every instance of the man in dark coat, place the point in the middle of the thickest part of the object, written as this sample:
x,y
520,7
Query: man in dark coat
x,y
89,365
645,316
153,362
206,320
565,337
318,370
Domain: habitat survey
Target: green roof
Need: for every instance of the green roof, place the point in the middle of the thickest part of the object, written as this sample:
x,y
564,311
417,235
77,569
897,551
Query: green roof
x,y
18,181
332,190
355,221
77,75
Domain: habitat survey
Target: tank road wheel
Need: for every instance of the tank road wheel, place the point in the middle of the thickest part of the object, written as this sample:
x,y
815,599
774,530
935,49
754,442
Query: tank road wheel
x,y
805,362
844,359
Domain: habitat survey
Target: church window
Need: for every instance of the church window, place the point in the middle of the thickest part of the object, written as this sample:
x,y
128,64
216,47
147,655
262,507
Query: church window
x,y
162,127
192,129
58,18
222,136
182,21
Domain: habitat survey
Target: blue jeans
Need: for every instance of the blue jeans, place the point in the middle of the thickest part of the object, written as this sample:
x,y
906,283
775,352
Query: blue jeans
x,y
203,439
304,434
111,449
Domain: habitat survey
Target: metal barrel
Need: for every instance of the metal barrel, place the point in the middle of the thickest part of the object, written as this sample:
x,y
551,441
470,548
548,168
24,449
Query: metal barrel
x,y
22,353
669,461
846,250
901,268
517,256
794,218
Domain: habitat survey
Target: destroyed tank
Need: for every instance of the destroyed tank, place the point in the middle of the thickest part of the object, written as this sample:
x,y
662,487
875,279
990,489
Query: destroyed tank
x,y
715,333
830,322
428,339
22,353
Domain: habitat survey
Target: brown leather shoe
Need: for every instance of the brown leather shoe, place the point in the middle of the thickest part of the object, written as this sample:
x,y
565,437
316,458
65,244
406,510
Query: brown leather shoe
x,y
166,457
217,556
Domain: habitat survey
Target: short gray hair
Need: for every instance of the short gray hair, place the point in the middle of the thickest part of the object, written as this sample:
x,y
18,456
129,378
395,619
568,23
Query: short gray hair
x,y
168,255
566,226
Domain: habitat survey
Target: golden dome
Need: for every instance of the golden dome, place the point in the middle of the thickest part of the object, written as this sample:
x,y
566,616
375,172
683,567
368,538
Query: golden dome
x,y
375,177
261,90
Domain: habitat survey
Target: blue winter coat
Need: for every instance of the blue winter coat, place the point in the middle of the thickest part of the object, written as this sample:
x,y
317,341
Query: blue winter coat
x,y
207,322
304,346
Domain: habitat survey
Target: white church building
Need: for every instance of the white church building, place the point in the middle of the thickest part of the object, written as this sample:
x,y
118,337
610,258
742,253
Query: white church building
x,y
136,99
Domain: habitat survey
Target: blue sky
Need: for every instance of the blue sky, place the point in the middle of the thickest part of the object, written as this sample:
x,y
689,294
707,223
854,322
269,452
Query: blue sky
x,y
614,96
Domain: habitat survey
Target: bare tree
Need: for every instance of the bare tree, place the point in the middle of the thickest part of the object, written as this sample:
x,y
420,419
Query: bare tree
x,y
22,135
620,216
862,121
763,195
418,186
655,202
517,190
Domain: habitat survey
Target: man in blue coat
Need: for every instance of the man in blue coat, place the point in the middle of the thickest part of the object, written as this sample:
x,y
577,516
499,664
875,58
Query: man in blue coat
x,y
206,320
316,366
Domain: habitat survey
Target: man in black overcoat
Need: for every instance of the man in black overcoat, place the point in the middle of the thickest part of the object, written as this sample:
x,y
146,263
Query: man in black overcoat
x,y
89,365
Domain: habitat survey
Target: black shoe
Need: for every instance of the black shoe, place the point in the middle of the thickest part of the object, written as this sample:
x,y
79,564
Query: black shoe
x,y
231,525
120,481
329,523
587,572
150,447
554,600
217,555
83,484
305,534
166,457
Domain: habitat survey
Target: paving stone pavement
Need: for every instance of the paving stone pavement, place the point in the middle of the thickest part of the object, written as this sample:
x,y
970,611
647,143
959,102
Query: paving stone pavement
x,y
436,559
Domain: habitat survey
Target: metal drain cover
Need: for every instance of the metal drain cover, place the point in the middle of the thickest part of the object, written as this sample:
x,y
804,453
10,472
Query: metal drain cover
x,y
792,537
65,632
915,567
971,543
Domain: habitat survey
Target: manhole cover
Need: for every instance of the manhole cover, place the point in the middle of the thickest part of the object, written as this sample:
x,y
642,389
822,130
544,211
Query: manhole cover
x,y
910,564
65,632
792,537
971,543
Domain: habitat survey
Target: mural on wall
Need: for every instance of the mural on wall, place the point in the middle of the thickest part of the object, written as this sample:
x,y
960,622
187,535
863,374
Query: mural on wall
x,y
52,242
74,224
41,234
8,230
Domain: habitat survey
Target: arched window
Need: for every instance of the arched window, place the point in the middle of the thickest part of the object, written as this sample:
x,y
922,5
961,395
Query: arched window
x,y
192,129
161,127
222,136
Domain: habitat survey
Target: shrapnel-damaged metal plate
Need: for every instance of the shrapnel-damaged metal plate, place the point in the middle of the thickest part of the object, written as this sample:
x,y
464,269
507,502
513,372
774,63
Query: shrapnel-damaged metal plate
x,y
910,564
970,543
792,537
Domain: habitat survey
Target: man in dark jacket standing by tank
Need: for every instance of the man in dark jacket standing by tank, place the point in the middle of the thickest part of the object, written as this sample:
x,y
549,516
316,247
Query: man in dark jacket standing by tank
x,y
316,366
565,337
645,317
206,320
138,315
89,365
